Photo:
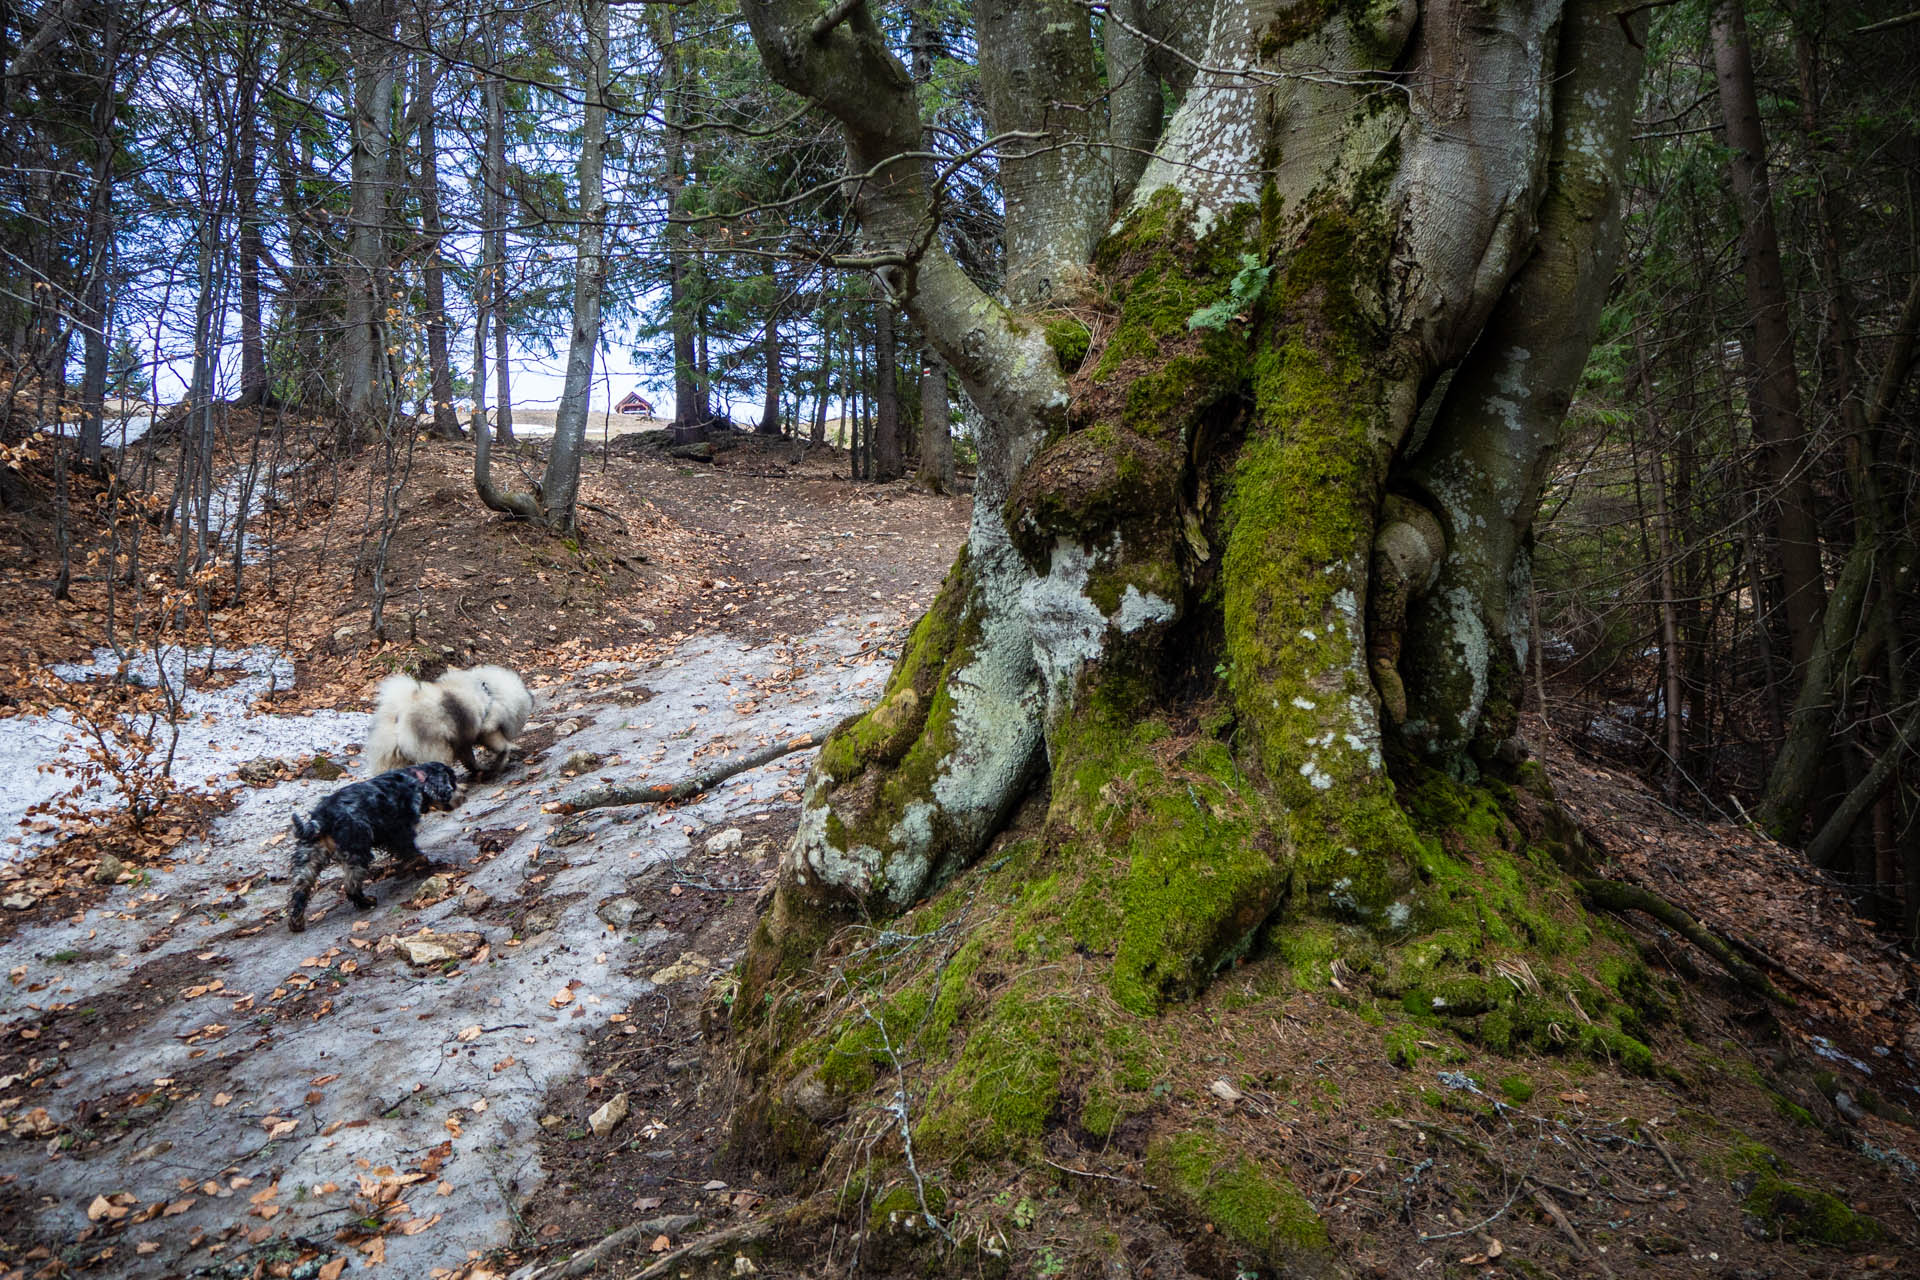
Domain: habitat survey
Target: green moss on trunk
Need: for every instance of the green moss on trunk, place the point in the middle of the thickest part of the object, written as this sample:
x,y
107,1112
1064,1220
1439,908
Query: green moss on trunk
x,y
885,736
1183,871
1219,795
1299,519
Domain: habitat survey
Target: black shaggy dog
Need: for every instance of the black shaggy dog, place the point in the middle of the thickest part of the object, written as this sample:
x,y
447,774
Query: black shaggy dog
x,y
347,825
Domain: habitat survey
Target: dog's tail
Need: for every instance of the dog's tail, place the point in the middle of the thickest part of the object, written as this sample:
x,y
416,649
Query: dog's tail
x,y
502,701
389,743
305,831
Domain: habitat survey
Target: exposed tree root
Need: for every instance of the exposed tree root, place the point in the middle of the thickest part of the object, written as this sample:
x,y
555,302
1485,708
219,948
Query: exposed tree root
x,y
595,507
1617,896
708,1248
589,1258
685,788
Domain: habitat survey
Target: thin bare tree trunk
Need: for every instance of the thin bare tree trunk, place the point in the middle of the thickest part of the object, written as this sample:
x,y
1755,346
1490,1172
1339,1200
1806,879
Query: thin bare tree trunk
x,y
702,324
433,272
1670,652
496,184
886,418
246,178
363,347
561,486
1831,840
936,425
770,424
822,386
1776,391
95,311
687,417
490,300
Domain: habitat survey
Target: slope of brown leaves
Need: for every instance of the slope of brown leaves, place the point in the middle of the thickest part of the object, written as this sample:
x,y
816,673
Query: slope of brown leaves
x,y
1852,985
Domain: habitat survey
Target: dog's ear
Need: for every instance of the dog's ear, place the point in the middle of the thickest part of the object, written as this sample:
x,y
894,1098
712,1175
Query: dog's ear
x,y
417,774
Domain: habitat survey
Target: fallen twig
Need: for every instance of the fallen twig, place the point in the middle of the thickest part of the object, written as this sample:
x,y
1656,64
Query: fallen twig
x,y
613,516
900,1113
1560,1220
1105,1177
1665,1154
747,1233
666,792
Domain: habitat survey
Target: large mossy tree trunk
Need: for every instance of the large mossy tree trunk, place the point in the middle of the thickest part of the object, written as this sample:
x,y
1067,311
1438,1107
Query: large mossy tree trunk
x,y
1243,597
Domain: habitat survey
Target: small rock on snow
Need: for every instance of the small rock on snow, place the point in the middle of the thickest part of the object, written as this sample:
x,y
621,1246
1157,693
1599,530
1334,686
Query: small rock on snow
x,y
427,947
690,965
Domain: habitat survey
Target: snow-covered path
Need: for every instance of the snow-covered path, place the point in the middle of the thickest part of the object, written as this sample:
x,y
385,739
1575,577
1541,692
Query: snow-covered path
x,y
185,1083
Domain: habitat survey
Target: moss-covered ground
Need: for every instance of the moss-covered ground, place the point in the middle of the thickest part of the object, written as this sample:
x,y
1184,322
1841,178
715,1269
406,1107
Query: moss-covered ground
x,y
1328,1098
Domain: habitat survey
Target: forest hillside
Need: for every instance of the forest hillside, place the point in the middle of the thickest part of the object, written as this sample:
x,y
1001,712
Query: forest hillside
x,y
1067,640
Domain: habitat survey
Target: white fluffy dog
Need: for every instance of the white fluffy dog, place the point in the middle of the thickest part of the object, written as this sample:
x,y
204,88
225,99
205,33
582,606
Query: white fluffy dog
x,y
415,722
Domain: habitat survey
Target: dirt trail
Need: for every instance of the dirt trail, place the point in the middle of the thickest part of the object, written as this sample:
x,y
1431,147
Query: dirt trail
x,y
190,1089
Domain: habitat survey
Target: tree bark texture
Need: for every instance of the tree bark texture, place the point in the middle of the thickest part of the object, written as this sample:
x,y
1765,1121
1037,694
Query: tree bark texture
x,y
246,181
560,488
688,403
433,272
1775,397
489,307
363,341
822,382
936,426
495,185
95,312
887,445
1214,583
770,424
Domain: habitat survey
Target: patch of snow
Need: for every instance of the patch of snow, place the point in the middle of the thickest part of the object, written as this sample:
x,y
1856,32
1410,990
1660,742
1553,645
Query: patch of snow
x,y
410,1060
218,730
125,431
233,501
1825,1048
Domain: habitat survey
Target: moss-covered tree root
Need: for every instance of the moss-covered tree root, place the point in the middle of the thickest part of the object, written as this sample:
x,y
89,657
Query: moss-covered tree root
x,y
1617,896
